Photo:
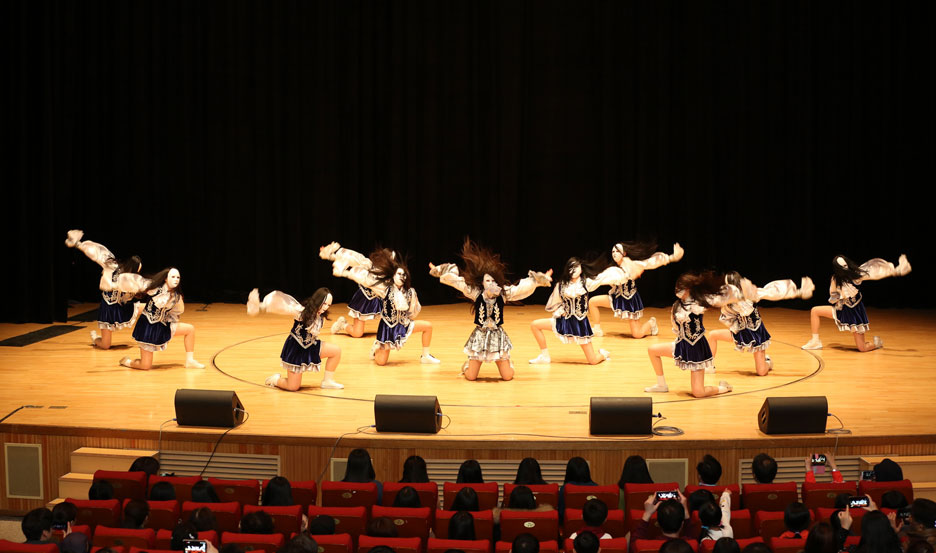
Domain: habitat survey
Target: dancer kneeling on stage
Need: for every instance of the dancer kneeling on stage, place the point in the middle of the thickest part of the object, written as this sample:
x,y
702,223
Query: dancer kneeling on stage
x,y
690,351
364,304
159,321
847,310
484,282
386,276
116,311
303,351
623,299
745,327
569,306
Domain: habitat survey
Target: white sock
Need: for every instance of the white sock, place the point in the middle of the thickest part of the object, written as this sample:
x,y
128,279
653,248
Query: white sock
x,y
329,376
815,337
544,351
596,327
426,350
661,380
189,356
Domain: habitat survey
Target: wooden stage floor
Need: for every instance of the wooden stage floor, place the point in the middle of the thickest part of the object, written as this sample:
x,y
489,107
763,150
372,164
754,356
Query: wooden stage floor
x,y
882,397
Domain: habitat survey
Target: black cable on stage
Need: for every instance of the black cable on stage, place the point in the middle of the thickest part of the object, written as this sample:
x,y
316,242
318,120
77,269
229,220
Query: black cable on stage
x,y
11,413
221,437
665,430
159,442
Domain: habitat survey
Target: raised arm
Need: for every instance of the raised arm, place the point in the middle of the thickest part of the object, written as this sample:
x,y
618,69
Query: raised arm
x,y
276,302
344,256
877,268
447,273
132,283
95,252
730,294
361,276
527,286
610,276
636,267
778,290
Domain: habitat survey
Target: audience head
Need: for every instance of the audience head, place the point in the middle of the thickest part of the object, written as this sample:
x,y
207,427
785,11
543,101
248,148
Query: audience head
x,y
277,492
257,522
726,545
465,500
635,471
238,548
841,500
585,542
821,539
756,547
835,521
149,465
182,531
135,514
204,492
470,473
381,527
100,489
709,470
919,546
322,525
75,542
461,526
888,471
63,514
877,534
893,500
525,543
923,513
37,525
710,514
381,549
521,498
528,473
670,515
796,517
203,519
300,544
698,498
675,545
359,468
577,471
407,497
594,512
414,470
162,491
764,468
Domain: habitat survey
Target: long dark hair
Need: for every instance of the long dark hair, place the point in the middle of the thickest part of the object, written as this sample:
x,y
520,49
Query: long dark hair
x,y
359,468
821,539
877,535
850,273
529,473
384,265
311,306
480,261
278,492
590,268
159,279
635,471
699,285
521,498
577,471
638,250
130,264
414,470
470,473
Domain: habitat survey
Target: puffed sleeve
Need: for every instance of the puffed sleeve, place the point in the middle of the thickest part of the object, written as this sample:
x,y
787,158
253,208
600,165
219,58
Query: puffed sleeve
x,y
176,312
526,286
610,276
877,268
280,303
352,258
448,274
779,290
637,267
554,303
360,275
132,283
98,253
728,294
414,306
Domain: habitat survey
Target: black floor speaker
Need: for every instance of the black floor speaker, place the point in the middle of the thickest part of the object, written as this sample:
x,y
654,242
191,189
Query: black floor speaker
x,y
793,415
620,415
219,408
407,414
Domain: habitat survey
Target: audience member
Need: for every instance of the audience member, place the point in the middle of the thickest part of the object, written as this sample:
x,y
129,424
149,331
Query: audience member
x,y
162,491
716,519
257,522
204,492
75,542
465,500
821,539
709,470
594,515
525,543
726,545
830,462
672,517
100,490
149,465
135,513
381,527
63,516
277,493
414,470
322,525
796,519
675,545
635,471
578,474
461,526
360,469
585,542
37,526
764,468
888,471
202,519
528,473
470,473
407,497
877,534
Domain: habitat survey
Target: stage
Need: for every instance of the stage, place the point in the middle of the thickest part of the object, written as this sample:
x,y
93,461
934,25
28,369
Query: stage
x,y
81,396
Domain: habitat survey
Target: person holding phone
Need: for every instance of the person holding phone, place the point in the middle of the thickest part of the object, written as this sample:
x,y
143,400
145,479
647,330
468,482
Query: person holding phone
x,y
672,516
816,464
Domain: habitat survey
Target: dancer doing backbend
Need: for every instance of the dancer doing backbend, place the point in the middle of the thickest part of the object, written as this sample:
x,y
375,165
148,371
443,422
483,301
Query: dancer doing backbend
x,y
364,305
569,306
303,351
847,310
745,327
483,281
117,308
623,299
386,276
159,321
696,292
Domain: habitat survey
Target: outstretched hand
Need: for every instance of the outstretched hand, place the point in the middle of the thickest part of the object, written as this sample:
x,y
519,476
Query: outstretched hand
x,y
549,273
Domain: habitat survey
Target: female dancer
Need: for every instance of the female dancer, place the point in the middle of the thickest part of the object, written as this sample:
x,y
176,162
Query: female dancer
x,y
386,276
569,306
847,310
484,283
690,351
159,321
633,258
364,305
116,311
303,351
744,323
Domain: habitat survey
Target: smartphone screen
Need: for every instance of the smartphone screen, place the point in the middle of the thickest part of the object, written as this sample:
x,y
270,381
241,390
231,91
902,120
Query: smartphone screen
x,y
867,475
195,546
663,496
818,459
858,501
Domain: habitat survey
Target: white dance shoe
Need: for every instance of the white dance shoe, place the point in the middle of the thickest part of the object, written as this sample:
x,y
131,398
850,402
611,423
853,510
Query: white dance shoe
x,y
723,387
813,344
339,326
658,389
331,385
878,342
596,330
272,380
654,328
541,359
428,359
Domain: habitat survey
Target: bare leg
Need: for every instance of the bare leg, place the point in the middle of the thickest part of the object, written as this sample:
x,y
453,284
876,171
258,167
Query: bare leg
x,y
826,311
861,344
656,353
474,367
593,304
506,371
187,330
426,328
145,362
699,389
538,326
291,383
355,329
639,330
760,363
381,356
104,340
590,354
718,335
332,353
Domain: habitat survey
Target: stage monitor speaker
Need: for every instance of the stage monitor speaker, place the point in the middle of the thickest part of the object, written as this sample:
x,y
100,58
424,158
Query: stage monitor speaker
x,y
407,414
794,415
219,408
620,415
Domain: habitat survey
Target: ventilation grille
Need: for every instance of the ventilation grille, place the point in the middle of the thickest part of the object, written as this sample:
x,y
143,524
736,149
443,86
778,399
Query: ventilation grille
x,y
669,470
791,469
223,465
23,470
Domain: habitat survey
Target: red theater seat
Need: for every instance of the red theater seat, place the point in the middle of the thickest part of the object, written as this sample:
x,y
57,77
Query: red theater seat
x,y
348,520
349,494
768,497
149,550
254,542
124,537
483,524
336,543
770,524
428,493
13,547
824,514
468,546
653,546
181,484
487,494
227,514
104,512
127,485
544,525
286,520
304,492
742,525
616,545
613,525
717,491
877,489
245,492
162,514
782,545
410,523
399,545
823,494
551,546
545,494
576,496
709,545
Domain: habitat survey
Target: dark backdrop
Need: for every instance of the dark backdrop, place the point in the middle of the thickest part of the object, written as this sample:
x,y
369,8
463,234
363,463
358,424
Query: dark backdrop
x,y
232,139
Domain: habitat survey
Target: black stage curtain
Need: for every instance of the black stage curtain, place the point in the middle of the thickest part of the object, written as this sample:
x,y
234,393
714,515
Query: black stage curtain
x,y
231,139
